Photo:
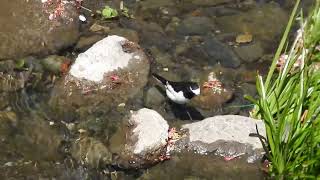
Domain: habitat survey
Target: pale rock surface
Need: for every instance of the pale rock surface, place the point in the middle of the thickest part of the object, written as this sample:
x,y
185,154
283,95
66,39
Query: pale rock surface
x,y
104,56
226,128
151,130
226,135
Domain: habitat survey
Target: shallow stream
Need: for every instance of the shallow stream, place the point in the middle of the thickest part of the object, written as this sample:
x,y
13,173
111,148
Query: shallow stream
x,y
185,39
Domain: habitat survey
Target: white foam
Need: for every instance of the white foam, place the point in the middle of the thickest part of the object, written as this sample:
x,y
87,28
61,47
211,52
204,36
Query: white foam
x,y
104,56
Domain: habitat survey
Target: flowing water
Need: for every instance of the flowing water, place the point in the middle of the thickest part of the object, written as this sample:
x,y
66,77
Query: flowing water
x,y
36,145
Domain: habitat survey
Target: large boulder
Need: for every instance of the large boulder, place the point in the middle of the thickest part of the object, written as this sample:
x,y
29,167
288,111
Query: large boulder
x,y
145,140
226,135
107,74
28,27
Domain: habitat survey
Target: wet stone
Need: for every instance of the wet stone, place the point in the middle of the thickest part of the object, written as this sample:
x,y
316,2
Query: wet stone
x,y
91,152
54,63
33,32
195,26
129,34
152,34
13,81
86,41
219,11
153,98
211,2
7,65
249,53
192,166
164,59
154,4
219,52
107,74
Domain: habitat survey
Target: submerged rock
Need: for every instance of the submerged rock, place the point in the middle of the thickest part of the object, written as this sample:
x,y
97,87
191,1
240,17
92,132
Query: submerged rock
x,y
265,22
219,52
13,81
91,152
29,138
225,135
54,64
154,4
129,34
211,2
250,53
195,26
86,41
107,74
153,98
27,28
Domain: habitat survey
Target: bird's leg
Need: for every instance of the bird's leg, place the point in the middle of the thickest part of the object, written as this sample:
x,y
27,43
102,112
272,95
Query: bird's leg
x,y
189,115
185,107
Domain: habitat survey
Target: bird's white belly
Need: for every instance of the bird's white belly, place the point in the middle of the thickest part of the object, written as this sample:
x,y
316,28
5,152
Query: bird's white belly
x,y
176,97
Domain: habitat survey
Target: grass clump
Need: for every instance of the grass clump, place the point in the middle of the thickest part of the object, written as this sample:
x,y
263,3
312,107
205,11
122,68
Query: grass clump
x,y
289,101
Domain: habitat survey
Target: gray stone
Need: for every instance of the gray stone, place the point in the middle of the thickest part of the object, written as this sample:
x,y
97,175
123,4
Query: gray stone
x,y
152,34
225,135
86,41
153,98
219,52
165,59
249,53
195,26
153,4
129,34
7,66
53,63
13,81
218,11
35,140
26,28
211,2
92,152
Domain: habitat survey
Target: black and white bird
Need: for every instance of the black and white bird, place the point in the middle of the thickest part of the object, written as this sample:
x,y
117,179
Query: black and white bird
x,y
179,92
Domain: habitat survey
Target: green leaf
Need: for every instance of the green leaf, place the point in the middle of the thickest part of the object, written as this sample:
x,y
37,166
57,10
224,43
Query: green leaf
x,y
20,64
108,13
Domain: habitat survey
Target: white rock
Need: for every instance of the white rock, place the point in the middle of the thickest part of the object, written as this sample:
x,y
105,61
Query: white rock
x,y
226,128
82,18
104,56
151,130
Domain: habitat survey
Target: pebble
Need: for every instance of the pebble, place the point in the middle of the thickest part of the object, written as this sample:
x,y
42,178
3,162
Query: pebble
x,y
122,105
9,164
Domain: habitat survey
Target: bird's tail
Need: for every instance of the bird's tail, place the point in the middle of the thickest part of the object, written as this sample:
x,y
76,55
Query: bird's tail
x,y
159,78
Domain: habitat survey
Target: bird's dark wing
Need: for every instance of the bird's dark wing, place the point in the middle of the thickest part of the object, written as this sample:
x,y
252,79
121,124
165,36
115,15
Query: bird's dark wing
x,y
181,86
188,94
160,78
